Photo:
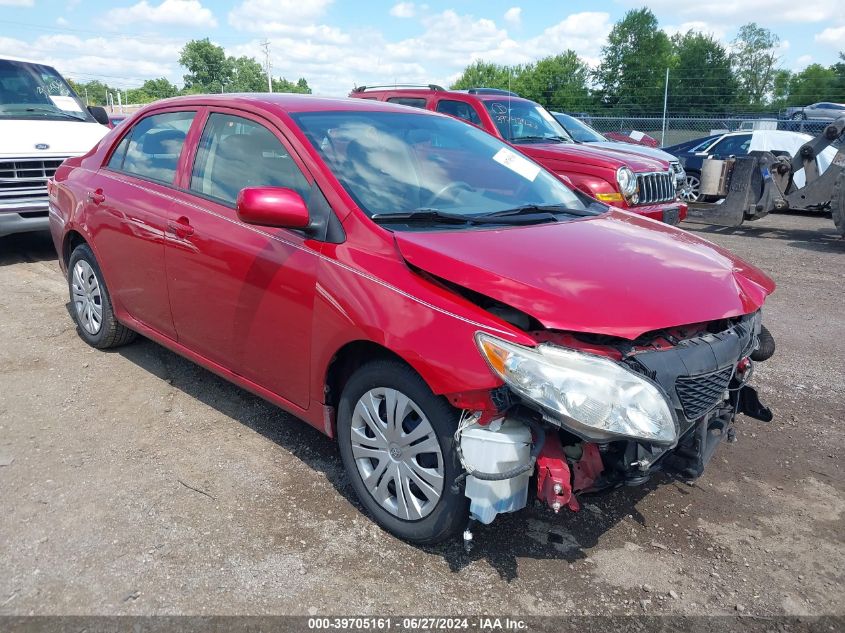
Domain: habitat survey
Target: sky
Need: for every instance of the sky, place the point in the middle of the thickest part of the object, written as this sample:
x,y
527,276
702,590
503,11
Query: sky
x,y
337,44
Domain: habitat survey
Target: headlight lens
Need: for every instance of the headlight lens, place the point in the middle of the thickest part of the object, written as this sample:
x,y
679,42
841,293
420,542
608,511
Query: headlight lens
x,y
627,181
594,397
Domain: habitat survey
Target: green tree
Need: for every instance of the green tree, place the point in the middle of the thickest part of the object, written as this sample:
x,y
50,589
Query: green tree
x,y
558,82
209,70
632,71
247,76
814,83
701,79
481,74
283,85
838,90
96,90
754,61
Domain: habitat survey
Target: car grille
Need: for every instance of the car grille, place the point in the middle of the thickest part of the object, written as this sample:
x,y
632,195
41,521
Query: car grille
x,y
699,394
656,187
25,179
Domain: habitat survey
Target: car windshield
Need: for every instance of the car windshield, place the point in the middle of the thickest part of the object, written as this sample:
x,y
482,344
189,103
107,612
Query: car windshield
x,y
394,163
34,91
578,130
520,121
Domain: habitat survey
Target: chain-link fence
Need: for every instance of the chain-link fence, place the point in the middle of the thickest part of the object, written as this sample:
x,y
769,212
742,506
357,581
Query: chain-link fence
x,y
681,129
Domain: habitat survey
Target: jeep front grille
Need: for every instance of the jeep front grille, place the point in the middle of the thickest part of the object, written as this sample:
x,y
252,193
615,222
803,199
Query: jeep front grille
x,y
700,394
25,179
656,187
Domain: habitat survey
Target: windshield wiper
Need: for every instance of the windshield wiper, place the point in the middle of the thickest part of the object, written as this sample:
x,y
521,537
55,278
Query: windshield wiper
x,y
551,139
435,216
420,215
534,209
53,112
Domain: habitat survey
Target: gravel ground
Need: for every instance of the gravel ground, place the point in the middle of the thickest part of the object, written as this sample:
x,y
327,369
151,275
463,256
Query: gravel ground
x,y
134,482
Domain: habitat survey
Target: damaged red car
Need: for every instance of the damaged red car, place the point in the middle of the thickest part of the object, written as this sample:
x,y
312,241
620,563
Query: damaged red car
x,y
471,330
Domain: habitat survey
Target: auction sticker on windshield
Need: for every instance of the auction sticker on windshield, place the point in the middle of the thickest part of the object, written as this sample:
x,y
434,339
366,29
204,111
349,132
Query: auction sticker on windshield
x,y
68,104
517,163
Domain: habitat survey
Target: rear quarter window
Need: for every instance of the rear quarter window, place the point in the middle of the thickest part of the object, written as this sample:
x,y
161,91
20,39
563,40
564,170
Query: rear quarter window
x,y
414,102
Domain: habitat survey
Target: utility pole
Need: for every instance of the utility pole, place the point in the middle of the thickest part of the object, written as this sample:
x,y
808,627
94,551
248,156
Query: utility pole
x,y
266,46
665,103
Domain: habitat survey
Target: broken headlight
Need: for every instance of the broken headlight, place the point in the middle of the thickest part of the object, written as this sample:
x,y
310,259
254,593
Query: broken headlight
x,y
594,397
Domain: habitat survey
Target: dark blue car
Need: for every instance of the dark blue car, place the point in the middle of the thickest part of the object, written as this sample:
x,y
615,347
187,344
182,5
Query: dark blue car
x,y
693,153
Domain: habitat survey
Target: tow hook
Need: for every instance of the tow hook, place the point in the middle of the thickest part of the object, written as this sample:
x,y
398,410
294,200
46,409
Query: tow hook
x,y
750,405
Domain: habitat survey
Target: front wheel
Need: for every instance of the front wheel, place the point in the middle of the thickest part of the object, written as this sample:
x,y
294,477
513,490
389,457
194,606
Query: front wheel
x,y
397,445
691,191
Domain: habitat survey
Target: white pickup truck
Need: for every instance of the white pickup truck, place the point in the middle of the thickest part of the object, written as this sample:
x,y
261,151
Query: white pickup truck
x,y
42,122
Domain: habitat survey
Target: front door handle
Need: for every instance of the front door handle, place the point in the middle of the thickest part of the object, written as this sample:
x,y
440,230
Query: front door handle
x,y
96,196
180,228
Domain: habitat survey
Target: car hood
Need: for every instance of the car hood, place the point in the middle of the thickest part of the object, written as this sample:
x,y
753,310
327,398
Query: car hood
x,y
590,155
616,274
62,138
628,148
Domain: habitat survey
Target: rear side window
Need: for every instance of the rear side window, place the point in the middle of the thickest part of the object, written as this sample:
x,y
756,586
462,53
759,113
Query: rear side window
x,y
414,102
235,153
458,109
152,147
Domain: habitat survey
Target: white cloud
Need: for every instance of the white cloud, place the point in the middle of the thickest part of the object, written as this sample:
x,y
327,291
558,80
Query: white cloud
x,y
803,61
740,11
176,12
514,16
585,33
832,36
276,15
403,10
61,21
17,3
120,62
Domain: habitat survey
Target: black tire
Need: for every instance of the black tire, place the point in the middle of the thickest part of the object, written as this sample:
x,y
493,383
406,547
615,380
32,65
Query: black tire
x,y
799,116
837,204
451,513
766,347
110,333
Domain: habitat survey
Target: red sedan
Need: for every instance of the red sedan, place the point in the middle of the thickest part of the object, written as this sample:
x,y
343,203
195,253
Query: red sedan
x,y
446,308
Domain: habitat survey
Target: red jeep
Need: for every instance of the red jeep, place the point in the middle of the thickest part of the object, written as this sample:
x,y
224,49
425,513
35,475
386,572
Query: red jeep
x,y
639,184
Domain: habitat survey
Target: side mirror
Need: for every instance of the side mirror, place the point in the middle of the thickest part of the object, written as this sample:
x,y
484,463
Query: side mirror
x,y
99,113
272,206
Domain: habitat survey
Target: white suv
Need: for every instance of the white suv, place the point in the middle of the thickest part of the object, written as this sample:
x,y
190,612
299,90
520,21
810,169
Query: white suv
x,y
42,122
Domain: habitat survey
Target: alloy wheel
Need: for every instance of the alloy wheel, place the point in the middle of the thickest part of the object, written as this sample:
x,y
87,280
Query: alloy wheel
x,y
691,190
87,297
397,453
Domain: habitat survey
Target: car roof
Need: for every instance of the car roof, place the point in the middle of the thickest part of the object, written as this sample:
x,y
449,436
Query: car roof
x,y
288,102
462,95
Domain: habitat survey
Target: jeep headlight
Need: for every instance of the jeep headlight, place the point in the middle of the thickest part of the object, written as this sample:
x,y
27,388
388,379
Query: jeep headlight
x,y
627,181
594,397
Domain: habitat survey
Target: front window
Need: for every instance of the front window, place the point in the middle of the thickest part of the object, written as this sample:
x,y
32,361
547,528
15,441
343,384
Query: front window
x,y
579,130
520,121
34,91
392,163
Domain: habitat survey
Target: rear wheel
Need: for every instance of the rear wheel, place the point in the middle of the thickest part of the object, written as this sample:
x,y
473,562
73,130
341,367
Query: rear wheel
x,y
397,445
799,116
90,303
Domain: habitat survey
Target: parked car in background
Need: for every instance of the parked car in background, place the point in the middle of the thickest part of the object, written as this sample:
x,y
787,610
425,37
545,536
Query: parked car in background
x,y
634,182
583,133
820,110
42,122
634,137
693,153
446,308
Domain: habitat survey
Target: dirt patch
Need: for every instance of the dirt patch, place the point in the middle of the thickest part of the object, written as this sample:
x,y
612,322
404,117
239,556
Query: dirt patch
x,y
135,482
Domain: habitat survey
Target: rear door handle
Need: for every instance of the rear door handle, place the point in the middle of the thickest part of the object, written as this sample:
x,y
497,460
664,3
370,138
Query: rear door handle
x,y
96,197
180,228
